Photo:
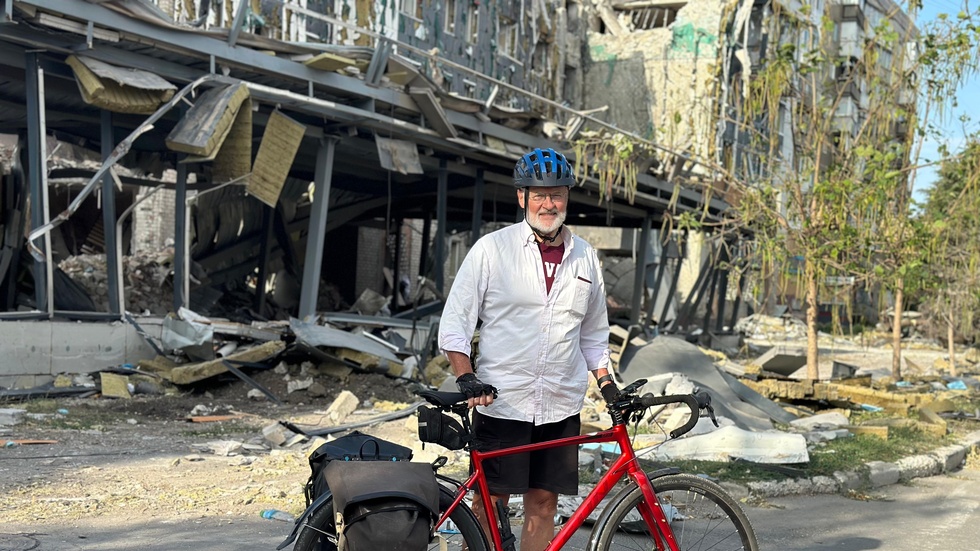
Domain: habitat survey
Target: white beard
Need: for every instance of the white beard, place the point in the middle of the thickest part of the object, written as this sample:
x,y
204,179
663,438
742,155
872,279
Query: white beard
x,y
537,224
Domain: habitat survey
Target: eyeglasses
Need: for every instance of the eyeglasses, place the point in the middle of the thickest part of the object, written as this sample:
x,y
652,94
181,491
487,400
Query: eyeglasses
x,y
539,198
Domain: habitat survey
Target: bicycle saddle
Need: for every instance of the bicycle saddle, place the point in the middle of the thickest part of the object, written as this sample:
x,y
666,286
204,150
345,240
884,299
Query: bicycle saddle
x,y
442,399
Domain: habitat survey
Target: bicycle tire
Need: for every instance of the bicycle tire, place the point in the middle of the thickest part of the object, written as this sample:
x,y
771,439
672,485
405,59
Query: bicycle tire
x,y
704,517
314,535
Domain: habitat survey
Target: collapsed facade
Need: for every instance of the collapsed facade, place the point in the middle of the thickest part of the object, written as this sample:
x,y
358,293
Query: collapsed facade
x,y
306,153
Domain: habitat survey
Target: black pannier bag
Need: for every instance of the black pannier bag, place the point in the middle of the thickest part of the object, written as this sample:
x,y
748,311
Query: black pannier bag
x,y
378,505
355,446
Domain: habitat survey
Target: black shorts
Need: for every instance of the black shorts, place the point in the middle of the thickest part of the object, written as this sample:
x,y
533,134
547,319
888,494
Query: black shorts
x,y
554,470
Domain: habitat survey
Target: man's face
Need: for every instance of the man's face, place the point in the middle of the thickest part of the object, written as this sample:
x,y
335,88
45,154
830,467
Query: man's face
x,y
545,206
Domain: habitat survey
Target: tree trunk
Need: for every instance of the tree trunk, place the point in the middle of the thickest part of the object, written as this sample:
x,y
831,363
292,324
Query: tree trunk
x,y
812,309
897,331
950,333
767,295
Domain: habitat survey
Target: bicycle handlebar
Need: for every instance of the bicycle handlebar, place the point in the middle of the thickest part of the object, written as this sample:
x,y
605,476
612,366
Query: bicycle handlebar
x,y
691,400
628,403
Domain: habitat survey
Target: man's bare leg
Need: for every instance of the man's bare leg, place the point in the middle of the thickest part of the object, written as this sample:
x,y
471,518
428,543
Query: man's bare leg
x,y
481,514
540,507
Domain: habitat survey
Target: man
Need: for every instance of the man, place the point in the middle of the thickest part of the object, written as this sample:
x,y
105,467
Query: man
x,y
538,291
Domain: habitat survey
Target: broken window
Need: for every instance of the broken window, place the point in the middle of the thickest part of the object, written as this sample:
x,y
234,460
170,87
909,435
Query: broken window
x,y
411,19
473,23
450,16
506,37
652,17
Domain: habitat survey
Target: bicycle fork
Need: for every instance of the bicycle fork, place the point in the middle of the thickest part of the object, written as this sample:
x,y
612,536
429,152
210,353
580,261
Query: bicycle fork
x,y
653,513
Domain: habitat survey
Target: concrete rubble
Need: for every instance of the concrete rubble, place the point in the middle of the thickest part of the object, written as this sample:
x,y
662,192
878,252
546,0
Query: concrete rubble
x,y
759,424
729,443
148,289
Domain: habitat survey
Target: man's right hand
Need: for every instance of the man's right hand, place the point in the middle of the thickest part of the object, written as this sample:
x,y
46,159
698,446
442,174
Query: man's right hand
x,y
477,392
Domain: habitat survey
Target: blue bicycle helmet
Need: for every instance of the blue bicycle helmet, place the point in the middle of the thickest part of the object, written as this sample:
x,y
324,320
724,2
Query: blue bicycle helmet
x,y
543,168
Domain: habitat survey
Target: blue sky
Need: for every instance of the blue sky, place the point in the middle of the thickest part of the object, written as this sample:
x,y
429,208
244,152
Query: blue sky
x,y
969,106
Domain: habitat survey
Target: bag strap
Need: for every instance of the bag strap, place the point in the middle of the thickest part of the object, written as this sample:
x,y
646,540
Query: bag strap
x,y
414,509
377,449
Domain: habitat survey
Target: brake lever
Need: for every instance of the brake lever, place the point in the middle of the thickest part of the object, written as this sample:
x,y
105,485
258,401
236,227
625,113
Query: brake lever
x,y
711,414
704,401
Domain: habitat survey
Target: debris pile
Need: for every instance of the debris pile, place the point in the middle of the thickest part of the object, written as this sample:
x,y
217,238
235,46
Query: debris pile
x,y
758,326
147,280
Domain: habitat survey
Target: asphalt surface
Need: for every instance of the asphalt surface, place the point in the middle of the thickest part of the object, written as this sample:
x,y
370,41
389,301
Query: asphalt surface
x,y
921,503
927,514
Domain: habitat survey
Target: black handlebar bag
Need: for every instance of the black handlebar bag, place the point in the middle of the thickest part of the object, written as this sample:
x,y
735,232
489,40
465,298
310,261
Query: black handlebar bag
x,y
391,505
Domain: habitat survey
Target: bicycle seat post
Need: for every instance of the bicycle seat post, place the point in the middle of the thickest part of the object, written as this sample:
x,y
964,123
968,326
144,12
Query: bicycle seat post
x,y
462,410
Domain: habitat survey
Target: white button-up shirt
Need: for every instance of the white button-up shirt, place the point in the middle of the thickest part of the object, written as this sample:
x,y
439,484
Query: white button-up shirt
x,y
536,348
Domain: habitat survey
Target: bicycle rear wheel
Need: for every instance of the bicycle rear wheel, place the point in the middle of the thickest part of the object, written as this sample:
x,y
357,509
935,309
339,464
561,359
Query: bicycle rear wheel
x,y
318,533
701,514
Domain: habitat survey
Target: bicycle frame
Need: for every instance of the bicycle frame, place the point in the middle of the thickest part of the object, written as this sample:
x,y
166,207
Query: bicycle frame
x,y
625,465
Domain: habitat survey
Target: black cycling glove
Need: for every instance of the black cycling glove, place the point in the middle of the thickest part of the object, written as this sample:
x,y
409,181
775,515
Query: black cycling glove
x,y
472,387
610,393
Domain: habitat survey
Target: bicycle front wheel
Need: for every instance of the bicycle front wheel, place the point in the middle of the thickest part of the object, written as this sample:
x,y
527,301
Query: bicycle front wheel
x,y
462,532
701,514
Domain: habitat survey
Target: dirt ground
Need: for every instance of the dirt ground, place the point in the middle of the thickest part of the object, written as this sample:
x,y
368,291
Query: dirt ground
x,y
140,459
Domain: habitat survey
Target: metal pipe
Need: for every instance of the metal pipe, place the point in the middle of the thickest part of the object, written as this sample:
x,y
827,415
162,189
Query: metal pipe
x,y
640,271
112,257
120,289
323,173
181,246
441,200
118,153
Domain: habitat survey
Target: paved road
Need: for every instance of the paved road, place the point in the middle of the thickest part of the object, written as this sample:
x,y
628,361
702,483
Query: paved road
x,y
936,513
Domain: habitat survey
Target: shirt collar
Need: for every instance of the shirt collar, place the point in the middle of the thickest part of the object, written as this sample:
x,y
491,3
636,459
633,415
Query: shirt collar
x,y
530,239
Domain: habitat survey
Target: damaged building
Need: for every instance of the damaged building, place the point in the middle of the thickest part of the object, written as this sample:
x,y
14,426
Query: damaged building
x,y
265,160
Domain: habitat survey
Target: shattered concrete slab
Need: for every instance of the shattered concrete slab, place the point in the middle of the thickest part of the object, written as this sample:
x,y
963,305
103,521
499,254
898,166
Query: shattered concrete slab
x,y
322,335
195,372
727,443
821,421
782,360
666,354
12,416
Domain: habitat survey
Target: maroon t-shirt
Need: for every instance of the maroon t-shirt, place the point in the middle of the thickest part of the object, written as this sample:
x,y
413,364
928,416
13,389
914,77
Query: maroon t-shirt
x,y
550,259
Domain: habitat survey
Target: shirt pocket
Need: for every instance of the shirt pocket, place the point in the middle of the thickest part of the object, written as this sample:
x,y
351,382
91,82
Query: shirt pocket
x,y
580,297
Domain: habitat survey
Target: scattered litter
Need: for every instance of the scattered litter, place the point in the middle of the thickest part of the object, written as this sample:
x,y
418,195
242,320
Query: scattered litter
x,y
221,447
214,418
275,514
200,410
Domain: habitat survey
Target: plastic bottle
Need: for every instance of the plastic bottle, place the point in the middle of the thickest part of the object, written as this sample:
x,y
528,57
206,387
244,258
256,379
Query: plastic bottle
x,y
449,527
278,515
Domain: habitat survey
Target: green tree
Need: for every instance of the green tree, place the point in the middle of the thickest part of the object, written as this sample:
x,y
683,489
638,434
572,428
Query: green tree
x,y
952,212
832,132
946,54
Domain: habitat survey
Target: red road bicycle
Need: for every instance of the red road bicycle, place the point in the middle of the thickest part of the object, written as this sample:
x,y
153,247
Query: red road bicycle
x,y
662,510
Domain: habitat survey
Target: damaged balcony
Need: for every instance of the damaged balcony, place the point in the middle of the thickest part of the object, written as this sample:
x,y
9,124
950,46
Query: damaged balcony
x,y
292,175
